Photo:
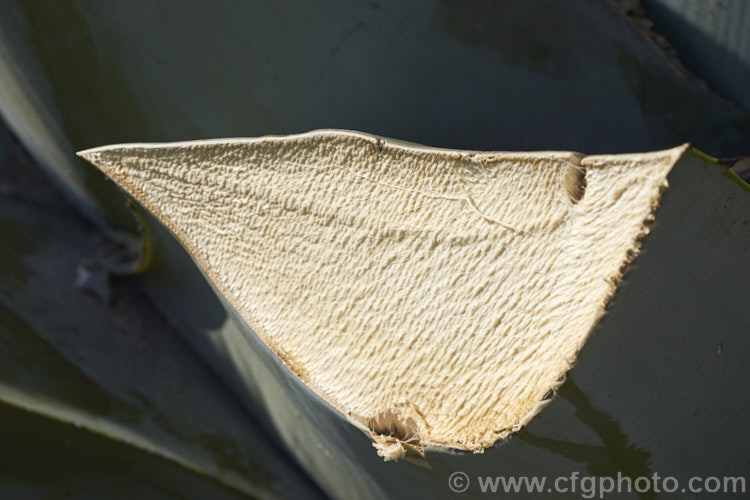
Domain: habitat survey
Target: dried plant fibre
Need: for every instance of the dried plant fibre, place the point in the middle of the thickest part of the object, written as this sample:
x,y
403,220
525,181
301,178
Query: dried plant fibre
x,y
435,297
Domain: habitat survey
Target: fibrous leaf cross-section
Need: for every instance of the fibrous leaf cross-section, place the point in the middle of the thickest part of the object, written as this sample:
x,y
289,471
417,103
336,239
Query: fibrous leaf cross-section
x,y
435,297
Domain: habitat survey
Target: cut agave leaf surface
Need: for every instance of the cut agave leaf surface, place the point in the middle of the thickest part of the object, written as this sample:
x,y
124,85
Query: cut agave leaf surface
x,y
435,297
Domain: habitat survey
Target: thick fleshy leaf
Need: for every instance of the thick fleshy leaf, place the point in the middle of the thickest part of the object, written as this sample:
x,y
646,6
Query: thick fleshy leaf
x,y
480,75
683,298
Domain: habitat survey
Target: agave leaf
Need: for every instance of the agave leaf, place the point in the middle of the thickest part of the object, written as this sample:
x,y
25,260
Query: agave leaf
x,y
297,231
481,76
109,390
683,297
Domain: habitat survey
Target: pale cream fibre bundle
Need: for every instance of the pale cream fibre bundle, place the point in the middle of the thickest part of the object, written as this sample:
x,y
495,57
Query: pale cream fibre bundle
x,y
433,296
